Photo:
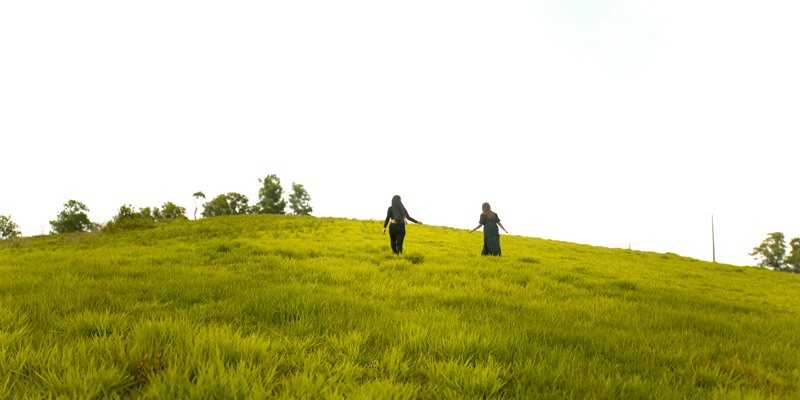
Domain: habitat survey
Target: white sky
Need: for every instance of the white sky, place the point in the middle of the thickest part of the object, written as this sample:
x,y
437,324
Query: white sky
x,y
591,121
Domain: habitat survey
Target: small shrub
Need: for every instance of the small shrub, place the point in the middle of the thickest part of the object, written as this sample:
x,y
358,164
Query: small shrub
x,y
128,224
145,218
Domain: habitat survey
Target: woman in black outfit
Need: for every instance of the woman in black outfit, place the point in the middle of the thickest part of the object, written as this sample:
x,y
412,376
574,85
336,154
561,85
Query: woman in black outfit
x,y
491,235
397,231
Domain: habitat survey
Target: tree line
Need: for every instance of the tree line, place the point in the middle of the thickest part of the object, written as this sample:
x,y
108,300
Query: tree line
x,y
771,253
270,201
73,217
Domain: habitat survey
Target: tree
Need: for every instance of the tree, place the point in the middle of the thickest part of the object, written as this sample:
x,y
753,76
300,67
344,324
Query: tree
x,y
216,206
125,212
270,195
771,252
226,204
72,218
197,196
8,229
793,261
299,200
172,211
238,203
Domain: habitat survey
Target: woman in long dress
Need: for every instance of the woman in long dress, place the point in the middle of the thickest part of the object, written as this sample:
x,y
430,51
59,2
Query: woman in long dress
x,y
491,235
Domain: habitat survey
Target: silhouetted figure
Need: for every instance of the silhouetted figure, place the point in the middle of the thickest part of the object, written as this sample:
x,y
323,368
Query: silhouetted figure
x,y
398,215
491,235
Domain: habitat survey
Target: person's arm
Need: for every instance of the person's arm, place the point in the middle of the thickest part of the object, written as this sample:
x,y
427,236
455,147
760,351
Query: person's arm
x,y
501,225
414,221
478,227
388,217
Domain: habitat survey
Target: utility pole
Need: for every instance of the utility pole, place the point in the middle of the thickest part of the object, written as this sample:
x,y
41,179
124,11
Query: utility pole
x,y
713,250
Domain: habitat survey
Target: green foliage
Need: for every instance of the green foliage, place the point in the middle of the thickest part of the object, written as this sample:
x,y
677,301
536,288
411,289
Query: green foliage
x,y
277,306
793,261
153,213
217,206
72,219
772,253
171,211
299,200
126,212
238,203
270,196
127,219
8,229
226,204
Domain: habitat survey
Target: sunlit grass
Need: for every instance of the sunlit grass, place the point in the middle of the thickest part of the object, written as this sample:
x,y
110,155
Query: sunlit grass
x,y
284,306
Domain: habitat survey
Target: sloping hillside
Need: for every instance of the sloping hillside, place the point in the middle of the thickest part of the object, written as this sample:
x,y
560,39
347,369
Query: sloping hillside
x,y
303,307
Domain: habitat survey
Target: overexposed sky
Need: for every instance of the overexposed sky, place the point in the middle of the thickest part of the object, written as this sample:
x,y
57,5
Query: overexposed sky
x,y
591,121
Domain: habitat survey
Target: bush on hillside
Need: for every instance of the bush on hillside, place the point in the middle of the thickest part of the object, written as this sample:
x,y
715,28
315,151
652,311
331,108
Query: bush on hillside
x,y
72,219
127,219
168,212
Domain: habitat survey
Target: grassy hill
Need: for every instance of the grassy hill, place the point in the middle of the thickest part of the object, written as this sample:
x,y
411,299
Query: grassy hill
x,y
302,307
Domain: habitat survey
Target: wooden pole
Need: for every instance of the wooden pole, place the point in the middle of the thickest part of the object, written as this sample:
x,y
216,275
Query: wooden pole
x,y
713,249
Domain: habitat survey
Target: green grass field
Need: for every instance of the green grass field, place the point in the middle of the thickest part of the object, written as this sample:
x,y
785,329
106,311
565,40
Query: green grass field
x,y
299,307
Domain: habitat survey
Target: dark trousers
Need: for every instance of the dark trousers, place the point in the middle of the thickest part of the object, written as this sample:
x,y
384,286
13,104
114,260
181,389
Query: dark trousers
x,y
491,246
397,232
